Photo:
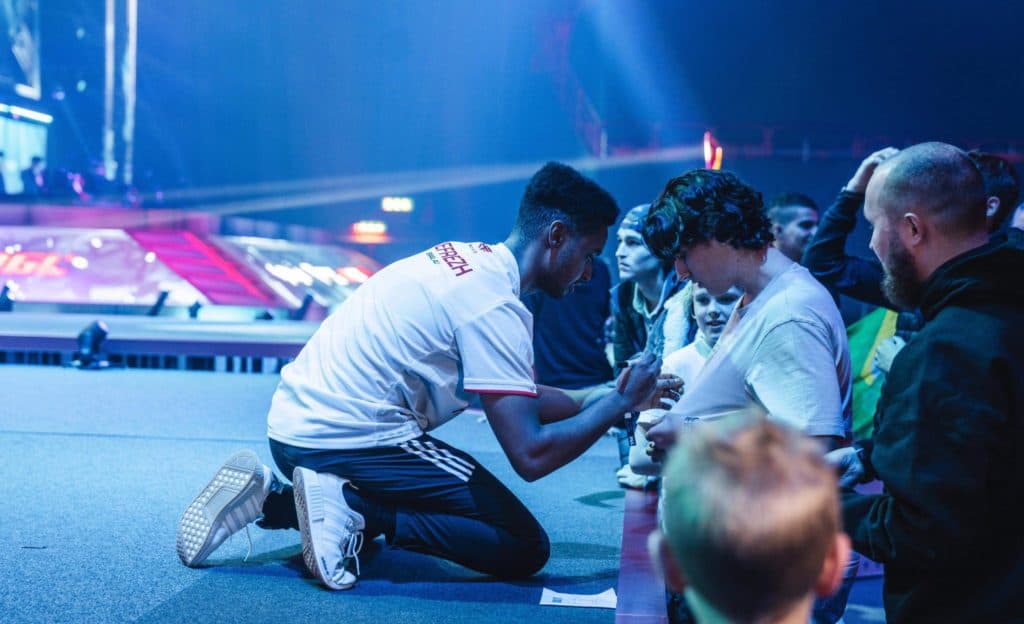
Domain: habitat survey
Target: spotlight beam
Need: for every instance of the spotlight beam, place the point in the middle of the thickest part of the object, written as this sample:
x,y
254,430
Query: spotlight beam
x,y
274,188
410,183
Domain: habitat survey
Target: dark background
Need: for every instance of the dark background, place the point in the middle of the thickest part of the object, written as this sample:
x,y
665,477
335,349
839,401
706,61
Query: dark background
x,y
241,91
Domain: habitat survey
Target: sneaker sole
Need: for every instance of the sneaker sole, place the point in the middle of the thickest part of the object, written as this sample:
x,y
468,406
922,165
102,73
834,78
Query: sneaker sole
x,y
224,502
302,509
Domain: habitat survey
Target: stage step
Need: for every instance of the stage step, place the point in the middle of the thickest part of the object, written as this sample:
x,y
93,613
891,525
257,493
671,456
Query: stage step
x,y
221,280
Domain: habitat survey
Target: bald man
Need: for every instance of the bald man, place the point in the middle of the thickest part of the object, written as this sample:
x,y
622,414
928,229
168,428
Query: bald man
x,y
950,421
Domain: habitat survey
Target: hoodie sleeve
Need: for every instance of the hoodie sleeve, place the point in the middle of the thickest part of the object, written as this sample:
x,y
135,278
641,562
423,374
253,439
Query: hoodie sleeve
x,y
826,258
937,441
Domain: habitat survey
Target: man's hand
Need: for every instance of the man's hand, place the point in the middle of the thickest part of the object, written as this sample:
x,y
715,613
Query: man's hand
x,y
667,391
859,182
639,382
886,352
662,435
847,461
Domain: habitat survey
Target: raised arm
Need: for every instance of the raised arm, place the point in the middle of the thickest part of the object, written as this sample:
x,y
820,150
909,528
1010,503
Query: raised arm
x,y
826,258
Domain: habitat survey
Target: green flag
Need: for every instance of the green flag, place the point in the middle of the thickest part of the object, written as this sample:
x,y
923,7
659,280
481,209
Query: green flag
x,y
865,335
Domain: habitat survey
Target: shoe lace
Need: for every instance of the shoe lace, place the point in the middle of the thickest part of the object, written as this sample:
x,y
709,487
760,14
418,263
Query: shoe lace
x,y
248,536
352,547
350,551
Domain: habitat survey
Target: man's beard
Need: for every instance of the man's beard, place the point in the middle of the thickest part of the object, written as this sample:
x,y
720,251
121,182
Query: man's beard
x,y
901,285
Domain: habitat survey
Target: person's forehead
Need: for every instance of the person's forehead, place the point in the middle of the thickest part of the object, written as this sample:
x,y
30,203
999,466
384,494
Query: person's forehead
x,y
871,209
692,247
802,213
629,233
806,212
873,194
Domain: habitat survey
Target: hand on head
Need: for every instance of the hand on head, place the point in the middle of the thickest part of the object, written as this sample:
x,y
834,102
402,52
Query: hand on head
x,y
859,182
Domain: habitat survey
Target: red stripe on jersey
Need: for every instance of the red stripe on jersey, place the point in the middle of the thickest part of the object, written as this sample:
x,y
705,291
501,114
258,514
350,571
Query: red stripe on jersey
x,y
492,391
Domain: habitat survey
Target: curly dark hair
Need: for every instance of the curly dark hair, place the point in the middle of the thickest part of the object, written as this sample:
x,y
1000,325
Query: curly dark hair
x,y
703,205
558,191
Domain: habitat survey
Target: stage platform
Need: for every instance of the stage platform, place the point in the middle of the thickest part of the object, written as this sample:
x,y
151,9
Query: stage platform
x,y
98,467
97,473
154,342
184,271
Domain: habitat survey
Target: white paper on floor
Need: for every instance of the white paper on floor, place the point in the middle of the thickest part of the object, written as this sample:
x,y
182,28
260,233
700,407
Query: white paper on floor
x,y
605,600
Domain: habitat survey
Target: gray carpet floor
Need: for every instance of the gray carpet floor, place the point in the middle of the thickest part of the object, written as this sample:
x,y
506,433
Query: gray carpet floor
x,y
98,466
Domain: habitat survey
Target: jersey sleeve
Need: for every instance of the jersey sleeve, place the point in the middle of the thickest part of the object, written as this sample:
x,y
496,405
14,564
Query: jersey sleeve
x,y
496,350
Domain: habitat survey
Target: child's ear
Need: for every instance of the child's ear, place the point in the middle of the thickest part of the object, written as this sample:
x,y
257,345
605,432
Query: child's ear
x,y
834,566
665,563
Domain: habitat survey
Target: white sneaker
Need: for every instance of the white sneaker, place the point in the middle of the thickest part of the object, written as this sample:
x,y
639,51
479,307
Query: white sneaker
x,y
629,479
332,533
231,500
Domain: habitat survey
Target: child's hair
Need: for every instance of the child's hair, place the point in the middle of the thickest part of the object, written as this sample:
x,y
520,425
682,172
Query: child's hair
x,y
751,510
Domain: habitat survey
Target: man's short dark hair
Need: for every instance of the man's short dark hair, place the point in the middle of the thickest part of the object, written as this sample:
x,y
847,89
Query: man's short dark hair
x,y
782,209
559,192
1001,180
36,160
704,205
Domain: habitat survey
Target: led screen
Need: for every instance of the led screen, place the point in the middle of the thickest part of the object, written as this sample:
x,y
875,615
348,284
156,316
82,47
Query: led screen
x,y
87,266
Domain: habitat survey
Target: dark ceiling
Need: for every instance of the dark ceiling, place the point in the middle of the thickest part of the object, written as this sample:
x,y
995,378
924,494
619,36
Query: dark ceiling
x,y
831,71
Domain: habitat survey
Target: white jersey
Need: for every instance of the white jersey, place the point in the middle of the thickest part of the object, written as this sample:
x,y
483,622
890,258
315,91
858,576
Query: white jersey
x,y
785,355
402,354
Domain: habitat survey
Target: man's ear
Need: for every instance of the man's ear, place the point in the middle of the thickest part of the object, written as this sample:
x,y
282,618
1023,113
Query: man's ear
x,y
682,271
776,230
913,229
834,566
991,207
664,562
558,234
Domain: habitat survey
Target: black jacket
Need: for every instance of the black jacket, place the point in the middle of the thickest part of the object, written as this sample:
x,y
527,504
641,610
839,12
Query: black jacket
x,y
630,330
949,449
